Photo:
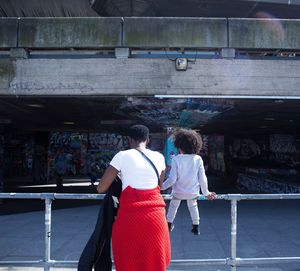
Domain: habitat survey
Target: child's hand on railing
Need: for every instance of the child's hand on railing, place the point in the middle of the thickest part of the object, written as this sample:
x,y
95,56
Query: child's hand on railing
x,y
211,196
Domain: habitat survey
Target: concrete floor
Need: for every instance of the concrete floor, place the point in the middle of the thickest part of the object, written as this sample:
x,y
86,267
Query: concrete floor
x,y
265,229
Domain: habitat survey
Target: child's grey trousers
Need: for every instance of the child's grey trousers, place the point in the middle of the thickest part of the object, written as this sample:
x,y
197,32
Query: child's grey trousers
x,y
192,206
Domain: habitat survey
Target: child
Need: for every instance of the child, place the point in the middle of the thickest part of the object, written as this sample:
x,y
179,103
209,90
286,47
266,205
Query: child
x,y
186,177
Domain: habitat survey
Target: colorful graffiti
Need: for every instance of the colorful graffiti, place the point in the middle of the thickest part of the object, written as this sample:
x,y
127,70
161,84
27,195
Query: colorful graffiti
x,y
282,143
102,147
175,112
67,153
73,154
245,148
169,150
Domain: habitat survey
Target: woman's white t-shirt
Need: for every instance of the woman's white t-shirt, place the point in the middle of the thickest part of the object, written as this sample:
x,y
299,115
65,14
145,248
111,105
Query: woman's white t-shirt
x,y
135,170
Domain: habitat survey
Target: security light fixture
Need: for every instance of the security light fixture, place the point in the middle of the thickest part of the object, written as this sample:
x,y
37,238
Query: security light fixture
x,y
181,64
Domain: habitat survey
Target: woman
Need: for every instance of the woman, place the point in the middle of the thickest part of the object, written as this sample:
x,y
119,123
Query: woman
x,y
140,236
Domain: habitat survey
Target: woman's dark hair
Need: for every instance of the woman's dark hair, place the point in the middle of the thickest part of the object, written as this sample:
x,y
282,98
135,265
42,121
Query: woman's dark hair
x,y
189,141
139,133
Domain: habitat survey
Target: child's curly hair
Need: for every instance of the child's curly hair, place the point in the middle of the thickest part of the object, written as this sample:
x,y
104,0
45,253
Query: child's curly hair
x,y
187,140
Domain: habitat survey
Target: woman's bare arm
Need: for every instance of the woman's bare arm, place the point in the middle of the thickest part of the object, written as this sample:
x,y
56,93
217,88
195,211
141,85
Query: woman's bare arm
x,y
107,179
162,177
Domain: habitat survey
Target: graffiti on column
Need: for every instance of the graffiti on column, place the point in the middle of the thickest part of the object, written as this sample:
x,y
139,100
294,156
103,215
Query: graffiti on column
x,y
169,150
204,151
216,153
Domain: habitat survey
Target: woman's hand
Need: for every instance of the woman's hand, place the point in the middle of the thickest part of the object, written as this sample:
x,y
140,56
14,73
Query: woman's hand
x,y
211,196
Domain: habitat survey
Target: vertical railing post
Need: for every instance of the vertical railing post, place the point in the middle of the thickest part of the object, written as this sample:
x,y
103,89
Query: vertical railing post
x,y
48,203
233,233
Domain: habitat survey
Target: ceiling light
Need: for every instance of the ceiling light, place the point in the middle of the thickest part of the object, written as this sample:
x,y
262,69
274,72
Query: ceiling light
x,y
5,121
36,105
269,119
69,122
181,64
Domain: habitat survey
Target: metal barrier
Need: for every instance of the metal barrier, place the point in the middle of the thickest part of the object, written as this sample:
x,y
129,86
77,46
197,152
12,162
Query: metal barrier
x,y
232,261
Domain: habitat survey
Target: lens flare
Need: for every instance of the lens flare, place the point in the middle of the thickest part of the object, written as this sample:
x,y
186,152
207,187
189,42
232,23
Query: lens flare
x,y
272,24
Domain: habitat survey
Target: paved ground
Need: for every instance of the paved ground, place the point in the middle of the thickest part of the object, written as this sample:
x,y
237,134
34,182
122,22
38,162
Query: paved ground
x,y
265,229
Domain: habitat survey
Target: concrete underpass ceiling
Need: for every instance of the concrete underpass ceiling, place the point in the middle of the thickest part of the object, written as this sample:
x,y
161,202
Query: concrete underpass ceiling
x,y
220,116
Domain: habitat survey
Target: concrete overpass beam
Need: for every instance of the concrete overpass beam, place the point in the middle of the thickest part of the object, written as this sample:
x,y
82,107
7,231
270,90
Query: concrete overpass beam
x,y
175,32
7,74
8,32
51,77
264,34
69,32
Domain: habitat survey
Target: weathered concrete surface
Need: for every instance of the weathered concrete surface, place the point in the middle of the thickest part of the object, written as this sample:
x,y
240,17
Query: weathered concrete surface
x,y
149,33
69,32
175,32
264,33
8,32
153,76
6,74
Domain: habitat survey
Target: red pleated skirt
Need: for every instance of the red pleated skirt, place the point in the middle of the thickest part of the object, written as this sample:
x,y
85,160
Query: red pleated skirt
x,y
140,236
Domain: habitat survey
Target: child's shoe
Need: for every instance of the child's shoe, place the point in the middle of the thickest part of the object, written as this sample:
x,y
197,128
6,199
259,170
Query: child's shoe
x,y
170,226
195,230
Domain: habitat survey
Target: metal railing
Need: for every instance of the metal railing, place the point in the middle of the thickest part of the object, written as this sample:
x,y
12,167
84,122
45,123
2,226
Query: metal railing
x,y
232,261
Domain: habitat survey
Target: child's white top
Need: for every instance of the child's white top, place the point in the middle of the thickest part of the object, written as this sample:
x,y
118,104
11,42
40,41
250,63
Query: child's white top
x,y
135,170
186,177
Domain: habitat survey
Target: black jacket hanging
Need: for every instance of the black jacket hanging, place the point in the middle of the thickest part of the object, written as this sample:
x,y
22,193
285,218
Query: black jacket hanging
x,y
97,250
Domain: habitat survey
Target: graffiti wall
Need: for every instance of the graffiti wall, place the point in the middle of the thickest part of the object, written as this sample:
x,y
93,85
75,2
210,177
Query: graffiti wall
x,y
76,154
102,147
285,150
269,163
67,153
261,184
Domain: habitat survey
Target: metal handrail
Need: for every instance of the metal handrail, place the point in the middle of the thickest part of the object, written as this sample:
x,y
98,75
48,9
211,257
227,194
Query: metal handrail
x,y
232,261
